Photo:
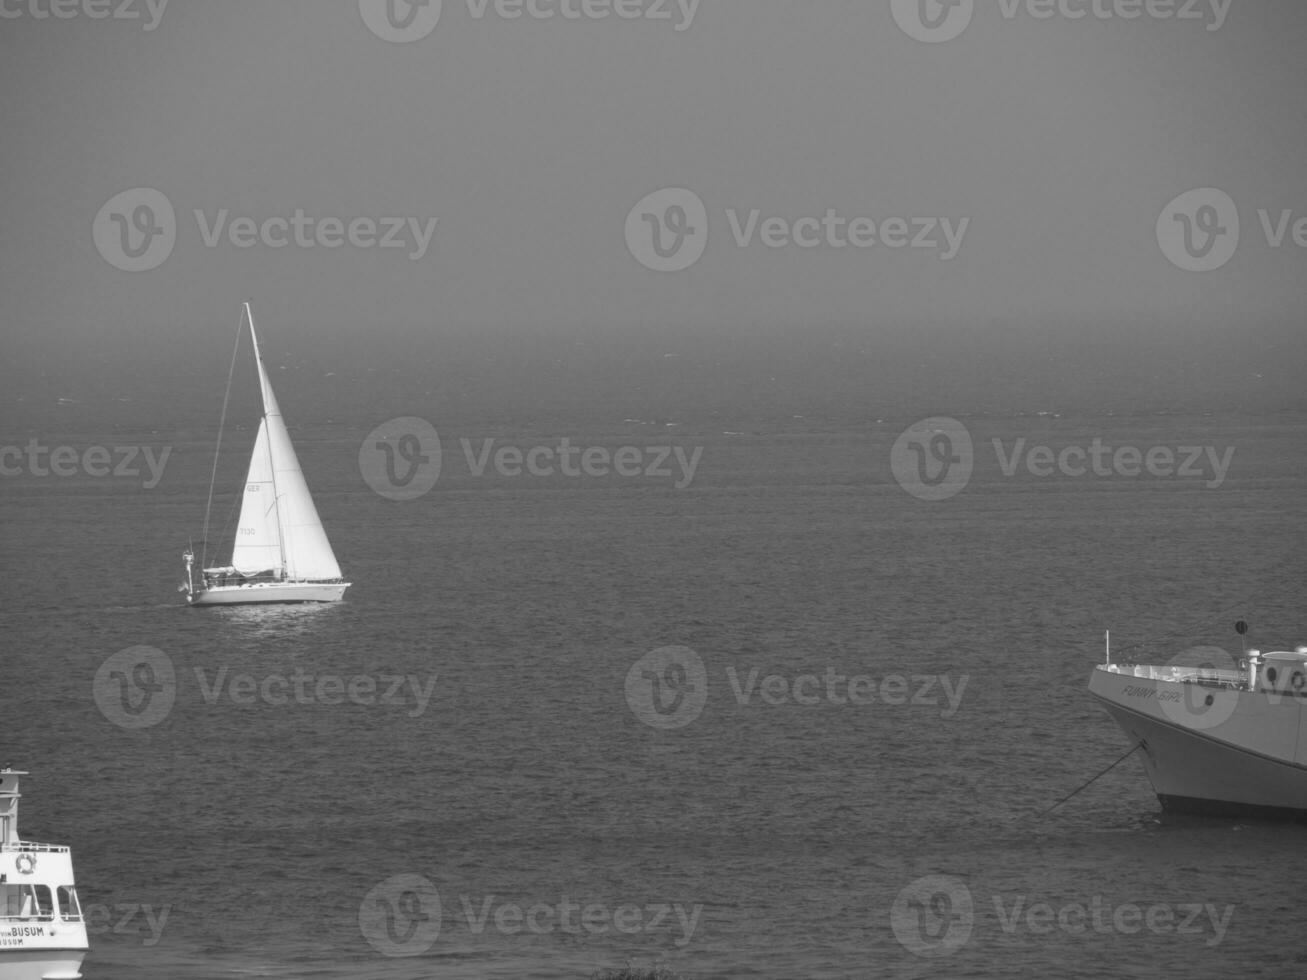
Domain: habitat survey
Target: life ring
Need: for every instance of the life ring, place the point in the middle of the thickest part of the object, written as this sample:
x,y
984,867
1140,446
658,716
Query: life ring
x,y
25,863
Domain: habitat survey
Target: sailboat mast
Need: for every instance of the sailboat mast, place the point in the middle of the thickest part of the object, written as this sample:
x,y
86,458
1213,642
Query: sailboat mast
x,y
272,464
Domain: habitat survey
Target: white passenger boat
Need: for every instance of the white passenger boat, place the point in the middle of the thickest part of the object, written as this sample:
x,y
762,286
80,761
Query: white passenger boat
x,y
42,932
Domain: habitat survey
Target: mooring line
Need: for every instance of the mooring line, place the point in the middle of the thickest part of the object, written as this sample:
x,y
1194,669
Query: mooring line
x,y
1133,749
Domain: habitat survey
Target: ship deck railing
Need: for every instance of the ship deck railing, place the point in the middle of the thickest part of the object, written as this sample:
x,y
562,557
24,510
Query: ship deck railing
x,y
1206,676
27,845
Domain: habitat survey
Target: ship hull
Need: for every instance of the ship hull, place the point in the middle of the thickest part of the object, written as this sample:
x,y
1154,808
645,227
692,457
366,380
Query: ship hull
x,y
41,964
1242,754
269,592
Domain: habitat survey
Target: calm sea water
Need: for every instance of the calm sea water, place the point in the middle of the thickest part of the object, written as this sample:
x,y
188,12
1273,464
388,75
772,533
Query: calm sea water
x,y
249,832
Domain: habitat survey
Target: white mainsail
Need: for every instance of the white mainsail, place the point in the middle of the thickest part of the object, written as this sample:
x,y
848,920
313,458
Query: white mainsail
x,y
258,539
279,530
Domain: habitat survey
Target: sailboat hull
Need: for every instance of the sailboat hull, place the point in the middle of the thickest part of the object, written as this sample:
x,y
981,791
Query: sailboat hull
x,y
258,592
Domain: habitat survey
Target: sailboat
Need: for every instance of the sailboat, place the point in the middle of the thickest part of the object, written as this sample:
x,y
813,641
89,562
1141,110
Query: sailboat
x,y
281,552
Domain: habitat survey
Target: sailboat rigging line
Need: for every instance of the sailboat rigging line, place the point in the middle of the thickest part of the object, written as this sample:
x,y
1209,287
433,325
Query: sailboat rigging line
x,y
1133,749
222,419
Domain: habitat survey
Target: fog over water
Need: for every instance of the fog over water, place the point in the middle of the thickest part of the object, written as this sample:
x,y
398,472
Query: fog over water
x,y
1058,142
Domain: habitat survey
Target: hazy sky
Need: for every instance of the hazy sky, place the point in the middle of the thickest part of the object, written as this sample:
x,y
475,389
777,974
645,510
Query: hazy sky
x,y
1047,147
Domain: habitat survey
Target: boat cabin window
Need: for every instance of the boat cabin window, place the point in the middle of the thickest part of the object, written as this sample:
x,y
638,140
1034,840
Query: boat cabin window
x,y
26,902
69,908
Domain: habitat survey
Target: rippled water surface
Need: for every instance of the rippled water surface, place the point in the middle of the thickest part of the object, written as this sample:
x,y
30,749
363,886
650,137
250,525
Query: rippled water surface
x,y
249,831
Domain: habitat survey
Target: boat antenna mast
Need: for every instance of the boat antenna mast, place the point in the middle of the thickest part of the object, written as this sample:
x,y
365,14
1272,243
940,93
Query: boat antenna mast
x,y
222,421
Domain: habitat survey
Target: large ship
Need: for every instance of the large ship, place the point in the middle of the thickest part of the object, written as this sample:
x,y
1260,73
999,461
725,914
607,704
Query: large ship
x,y
1225,739
42,932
